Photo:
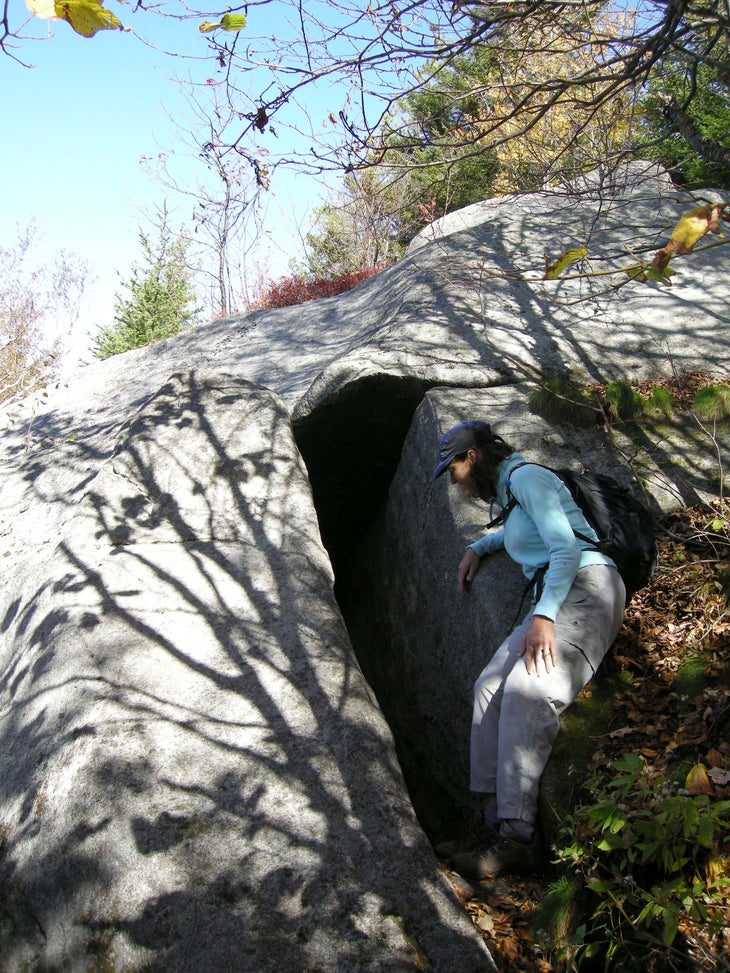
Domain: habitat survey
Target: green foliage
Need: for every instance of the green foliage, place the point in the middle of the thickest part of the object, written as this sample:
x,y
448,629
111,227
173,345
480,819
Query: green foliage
x,y
559,400
86,17
559,911
229,21
704,98
434,143
712,403
623,402
659,403
563,401
160,295
646,850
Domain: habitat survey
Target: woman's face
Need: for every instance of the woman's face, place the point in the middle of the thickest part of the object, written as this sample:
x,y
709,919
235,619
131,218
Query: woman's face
x,y
460,473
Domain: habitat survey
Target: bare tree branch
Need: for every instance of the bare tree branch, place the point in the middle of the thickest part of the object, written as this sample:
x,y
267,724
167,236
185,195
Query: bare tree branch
x,y
318,84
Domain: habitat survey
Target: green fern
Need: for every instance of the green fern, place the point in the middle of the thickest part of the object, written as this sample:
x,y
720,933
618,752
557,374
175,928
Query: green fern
x,y
560,911
692,677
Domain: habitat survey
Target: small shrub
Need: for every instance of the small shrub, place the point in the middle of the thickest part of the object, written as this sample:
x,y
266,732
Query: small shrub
x,y
646,848
558,400
659,402
296,289
622,401
712,403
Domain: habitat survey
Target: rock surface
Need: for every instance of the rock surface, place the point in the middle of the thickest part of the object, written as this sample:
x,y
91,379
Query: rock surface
x,y
195,773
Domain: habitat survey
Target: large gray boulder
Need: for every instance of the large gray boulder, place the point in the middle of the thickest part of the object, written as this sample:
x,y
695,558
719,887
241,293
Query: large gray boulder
x,y
194,770
195,773
465,308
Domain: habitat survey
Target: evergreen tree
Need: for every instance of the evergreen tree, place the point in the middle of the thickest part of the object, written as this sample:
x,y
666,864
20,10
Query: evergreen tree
x,y
160,298
687,120
432,142
443,136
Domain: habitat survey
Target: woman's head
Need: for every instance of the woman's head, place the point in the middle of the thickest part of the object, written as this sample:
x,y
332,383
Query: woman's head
x,y
472,452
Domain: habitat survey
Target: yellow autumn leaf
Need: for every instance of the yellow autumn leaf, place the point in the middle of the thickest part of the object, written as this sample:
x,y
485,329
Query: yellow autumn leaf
x,y
718,867
228,21
689,230
697,781
695,223
232,21
87,17
564,261
45,9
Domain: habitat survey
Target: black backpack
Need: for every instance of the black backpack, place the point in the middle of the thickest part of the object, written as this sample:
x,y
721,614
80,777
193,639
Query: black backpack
x,y
624,526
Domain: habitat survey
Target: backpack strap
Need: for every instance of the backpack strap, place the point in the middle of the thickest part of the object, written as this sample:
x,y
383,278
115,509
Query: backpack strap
x,y
512,502
592,545
504,513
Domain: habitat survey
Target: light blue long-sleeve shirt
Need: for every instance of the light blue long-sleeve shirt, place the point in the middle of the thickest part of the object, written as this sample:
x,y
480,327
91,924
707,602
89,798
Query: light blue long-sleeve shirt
x,y
539,530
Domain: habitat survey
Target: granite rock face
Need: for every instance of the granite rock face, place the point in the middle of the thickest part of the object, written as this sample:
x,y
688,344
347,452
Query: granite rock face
x,y
232,655
196,774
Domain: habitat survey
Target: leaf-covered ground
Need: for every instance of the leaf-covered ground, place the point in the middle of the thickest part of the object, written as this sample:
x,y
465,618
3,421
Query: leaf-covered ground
x,y
673,657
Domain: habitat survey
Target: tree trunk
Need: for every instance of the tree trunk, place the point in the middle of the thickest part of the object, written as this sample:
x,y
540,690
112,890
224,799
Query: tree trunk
x,y
709,151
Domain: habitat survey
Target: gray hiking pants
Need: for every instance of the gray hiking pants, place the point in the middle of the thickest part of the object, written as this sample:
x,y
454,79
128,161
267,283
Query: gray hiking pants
x,y
516,714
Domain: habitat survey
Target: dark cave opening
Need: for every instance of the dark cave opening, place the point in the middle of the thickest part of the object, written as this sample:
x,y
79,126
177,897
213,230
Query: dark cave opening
x,y
352,446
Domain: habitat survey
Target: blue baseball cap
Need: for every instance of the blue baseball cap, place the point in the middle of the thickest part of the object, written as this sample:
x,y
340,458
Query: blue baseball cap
x,y
460,438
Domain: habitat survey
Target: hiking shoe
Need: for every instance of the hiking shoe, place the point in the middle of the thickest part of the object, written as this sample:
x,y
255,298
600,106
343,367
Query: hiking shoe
x,y
504,855
482,835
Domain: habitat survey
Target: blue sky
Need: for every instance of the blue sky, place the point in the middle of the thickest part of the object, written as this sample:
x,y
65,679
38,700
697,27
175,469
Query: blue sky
x,y
74,128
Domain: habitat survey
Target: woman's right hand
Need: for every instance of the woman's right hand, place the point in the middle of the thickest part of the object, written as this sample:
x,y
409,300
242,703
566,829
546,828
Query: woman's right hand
x,y
468,567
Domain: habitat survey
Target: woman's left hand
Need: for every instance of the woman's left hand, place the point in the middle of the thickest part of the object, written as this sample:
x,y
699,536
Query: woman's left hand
x,y
538,646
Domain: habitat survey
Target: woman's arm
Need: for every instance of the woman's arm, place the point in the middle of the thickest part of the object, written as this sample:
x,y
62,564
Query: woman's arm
x,y
469,564
538,490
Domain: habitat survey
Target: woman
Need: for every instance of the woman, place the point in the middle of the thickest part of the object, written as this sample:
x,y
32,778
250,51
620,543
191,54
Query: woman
x,y
542,665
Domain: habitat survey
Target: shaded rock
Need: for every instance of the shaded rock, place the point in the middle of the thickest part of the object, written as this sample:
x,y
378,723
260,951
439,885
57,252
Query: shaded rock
x,y
196,773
